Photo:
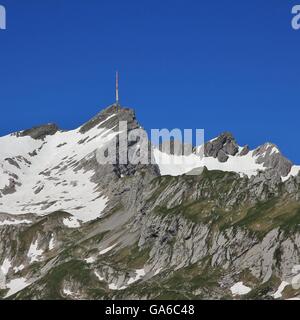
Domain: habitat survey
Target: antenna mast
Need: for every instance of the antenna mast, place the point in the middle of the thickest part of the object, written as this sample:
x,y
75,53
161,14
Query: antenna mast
x,y
117,88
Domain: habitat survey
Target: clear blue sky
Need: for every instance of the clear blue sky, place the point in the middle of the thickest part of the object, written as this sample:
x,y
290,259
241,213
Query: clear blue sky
x,y
220,65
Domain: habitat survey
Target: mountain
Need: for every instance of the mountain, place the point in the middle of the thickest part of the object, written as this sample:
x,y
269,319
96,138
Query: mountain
x,y
222,226
223,153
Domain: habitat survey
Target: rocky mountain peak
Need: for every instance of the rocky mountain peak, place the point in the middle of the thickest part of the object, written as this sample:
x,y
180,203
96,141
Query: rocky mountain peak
x,y
40,132
110,118
266,148
222,147
270,156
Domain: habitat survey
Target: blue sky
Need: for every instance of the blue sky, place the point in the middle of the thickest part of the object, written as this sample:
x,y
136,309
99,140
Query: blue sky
x,y
219,65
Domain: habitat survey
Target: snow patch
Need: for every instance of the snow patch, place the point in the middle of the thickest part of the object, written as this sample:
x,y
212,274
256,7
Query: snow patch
x,y
140,273
274,150
52,243
71,222
296,269
239,289
278,293
90,260
34,253
112,286
107,249
67,292
16,285
294,172
53,173
14,222
19,268
98,276
157,271
6,265
296,282
174,165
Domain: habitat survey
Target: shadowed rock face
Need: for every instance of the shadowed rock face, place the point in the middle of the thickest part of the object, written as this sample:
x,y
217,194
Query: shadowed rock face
x,y
103,119
221,147
244,151
40,132
269,155
10,188
110,118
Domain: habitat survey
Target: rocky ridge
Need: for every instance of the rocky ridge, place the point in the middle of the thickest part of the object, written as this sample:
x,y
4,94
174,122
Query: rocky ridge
x,y
155,236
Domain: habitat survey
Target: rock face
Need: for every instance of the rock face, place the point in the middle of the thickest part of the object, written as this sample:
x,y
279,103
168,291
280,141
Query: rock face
x,y
176,148
244,151
269,155
77,229
221,147
110,117
40,132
